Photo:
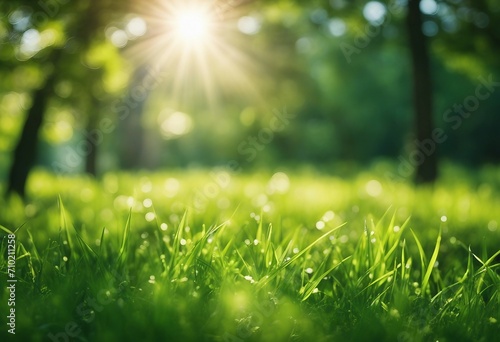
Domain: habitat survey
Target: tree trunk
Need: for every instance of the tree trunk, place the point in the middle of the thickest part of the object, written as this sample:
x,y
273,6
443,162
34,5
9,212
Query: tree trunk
x,y
132,132
25,153
91,157
424,159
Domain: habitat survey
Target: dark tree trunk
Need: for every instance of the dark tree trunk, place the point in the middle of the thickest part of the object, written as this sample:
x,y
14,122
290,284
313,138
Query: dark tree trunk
x,y
132,132
25,153
91,157
426,162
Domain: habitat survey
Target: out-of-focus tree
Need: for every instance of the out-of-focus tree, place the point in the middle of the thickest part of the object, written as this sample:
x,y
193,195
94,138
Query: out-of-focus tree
x,y
447,32
426,167
343,67
55,39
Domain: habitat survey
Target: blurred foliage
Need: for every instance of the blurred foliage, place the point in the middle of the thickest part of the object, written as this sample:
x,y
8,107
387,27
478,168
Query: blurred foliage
x,y
280,54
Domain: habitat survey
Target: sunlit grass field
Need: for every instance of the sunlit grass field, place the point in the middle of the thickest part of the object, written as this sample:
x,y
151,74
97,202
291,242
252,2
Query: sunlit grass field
x,y
287,255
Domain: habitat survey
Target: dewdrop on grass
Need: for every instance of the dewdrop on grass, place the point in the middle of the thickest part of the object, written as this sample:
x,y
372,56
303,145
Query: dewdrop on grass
x,y
250,279
320,225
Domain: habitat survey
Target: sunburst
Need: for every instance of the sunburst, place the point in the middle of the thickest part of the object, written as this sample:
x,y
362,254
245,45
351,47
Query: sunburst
x,y
197,45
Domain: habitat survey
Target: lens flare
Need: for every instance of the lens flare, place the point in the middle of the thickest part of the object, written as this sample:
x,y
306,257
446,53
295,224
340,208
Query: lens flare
x,y
198,50
192,26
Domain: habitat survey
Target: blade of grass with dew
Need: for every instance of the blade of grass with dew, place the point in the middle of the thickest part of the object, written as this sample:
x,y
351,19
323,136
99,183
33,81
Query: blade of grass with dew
x,y
122,254
380,279
247,266
101,241
385,240
259,234
314,282
89,255
432,261
369,250
23,253
269,248
397,241
8,231
403,261
34,255
484,266
197,249
421,254
173,268
273,274
67,245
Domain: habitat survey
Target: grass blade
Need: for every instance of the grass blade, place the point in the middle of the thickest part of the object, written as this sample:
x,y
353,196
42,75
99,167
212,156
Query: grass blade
x,y
430,267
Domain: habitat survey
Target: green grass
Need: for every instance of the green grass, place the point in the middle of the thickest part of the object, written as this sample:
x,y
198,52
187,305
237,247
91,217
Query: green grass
x,y
296,257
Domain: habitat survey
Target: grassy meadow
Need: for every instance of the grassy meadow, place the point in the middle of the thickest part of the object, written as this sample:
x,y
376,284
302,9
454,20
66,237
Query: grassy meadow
x,y
288,255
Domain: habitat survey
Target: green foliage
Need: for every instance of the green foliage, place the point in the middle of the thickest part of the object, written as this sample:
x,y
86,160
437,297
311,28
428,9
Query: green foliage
x,y
344,111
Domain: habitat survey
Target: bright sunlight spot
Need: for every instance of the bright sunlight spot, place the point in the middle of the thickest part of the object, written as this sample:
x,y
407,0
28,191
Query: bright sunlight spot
x,y
374,12
249,25
337,27
192,25
136,27
197,44
174,125
373,188
429,7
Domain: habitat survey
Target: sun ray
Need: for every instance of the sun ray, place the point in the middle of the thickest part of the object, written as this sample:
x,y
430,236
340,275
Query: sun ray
x,y
194,42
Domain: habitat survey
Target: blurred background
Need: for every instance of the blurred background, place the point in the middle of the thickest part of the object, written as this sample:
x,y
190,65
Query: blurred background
x,y
97,86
